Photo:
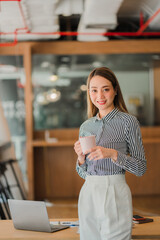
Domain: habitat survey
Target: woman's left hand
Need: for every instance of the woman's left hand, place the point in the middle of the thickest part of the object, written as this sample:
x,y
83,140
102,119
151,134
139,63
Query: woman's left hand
x,y
99,152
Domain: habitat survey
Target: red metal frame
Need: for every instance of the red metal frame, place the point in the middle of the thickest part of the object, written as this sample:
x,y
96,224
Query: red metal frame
x,y
140,32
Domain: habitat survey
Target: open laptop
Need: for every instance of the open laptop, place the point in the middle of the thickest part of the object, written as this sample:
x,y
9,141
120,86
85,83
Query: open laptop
x,y
31,215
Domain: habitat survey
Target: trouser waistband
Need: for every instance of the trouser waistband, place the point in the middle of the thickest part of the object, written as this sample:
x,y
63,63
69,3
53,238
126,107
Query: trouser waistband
x,y
108,179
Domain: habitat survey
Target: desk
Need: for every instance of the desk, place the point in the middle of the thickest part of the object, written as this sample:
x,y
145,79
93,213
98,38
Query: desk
x,y
147,230
140,231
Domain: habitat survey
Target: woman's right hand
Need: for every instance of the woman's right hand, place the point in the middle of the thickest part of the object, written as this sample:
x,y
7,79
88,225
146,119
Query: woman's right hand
x,y
78,150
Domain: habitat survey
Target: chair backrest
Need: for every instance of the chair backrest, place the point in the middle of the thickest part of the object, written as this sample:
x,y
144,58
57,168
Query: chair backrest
x,y
7,187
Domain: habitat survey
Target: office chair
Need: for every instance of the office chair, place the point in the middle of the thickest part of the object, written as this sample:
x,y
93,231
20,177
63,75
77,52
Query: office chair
x,y
5,187
3,167
4,196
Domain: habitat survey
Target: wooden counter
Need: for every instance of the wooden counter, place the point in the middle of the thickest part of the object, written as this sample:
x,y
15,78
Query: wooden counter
x,y
140,231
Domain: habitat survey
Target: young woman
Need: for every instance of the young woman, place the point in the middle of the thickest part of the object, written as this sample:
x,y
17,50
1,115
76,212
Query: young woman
x,y
105,204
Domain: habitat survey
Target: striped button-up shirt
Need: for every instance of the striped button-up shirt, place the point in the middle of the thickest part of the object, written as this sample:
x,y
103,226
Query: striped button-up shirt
x,y
119,131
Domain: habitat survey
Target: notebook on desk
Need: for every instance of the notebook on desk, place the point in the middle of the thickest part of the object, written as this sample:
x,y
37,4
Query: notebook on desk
x,y
31,215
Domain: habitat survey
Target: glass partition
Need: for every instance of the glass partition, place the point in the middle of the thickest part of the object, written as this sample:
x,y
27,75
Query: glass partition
x,y
59,87
12,83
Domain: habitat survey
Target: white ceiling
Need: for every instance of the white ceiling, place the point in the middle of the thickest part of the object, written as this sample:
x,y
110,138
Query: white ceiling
x,y
39,19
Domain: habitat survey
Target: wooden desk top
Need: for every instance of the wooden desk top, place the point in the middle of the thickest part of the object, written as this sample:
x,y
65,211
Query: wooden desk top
x,y
147,230
8,232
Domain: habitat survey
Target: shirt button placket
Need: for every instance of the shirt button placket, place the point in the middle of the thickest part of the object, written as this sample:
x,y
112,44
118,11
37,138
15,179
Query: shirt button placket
x,y
100,132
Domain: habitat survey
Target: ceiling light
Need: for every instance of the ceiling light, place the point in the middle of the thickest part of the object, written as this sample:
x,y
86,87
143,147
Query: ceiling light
x,y
97,64
53,95
83,87
53,78
45,64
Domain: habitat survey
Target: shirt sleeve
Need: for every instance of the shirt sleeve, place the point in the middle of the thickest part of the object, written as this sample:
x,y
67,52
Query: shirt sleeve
x,y
81,169
135,161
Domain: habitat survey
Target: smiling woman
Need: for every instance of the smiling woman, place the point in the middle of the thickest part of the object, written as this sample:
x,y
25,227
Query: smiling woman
x,y
105,194
102,94
103,90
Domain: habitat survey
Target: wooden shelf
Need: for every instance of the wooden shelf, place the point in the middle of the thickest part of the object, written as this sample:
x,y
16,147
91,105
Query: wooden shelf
x,y
42,143
70,143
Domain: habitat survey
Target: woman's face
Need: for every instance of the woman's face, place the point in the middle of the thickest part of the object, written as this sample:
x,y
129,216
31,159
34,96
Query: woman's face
x,y
102,94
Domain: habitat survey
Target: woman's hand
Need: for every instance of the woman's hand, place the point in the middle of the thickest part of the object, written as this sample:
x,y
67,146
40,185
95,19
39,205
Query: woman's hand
x,y
99,152
78,150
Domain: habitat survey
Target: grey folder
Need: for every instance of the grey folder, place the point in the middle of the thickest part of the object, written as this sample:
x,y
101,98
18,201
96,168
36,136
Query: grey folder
x,y
31,215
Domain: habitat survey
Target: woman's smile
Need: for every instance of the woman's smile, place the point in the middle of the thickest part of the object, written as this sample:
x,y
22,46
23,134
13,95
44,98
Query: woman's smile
x,y
101,102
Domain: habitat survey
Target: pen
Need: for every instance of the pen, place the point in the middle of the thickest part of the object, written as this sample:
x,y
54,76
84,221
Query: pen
x,y
71,224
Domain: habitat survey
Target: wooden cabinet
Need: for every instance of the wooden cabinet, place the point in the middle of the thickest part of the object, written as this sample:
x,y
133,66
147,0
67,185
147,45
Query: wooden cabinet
x,y
51,166
54,163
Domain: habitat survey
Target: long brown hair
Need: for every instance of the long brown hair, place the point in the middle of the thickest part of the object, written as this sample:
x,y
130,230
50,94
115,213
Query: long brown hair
x,y
92,110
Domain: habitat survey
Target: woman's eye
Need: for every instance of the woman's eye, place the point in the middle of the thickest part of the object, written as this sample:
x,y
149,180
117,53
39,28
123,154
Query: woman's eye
x,y
94,90
106,89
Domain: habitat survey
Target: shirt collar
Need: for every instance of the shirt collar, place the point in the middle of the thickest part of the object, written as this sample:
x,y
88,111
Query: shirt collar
x,y
108,117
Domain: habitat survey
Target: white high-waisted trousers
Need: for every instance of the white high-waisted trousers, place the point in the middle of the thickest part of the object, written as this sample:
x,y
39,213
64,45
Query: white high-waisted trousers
x,y
105,208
